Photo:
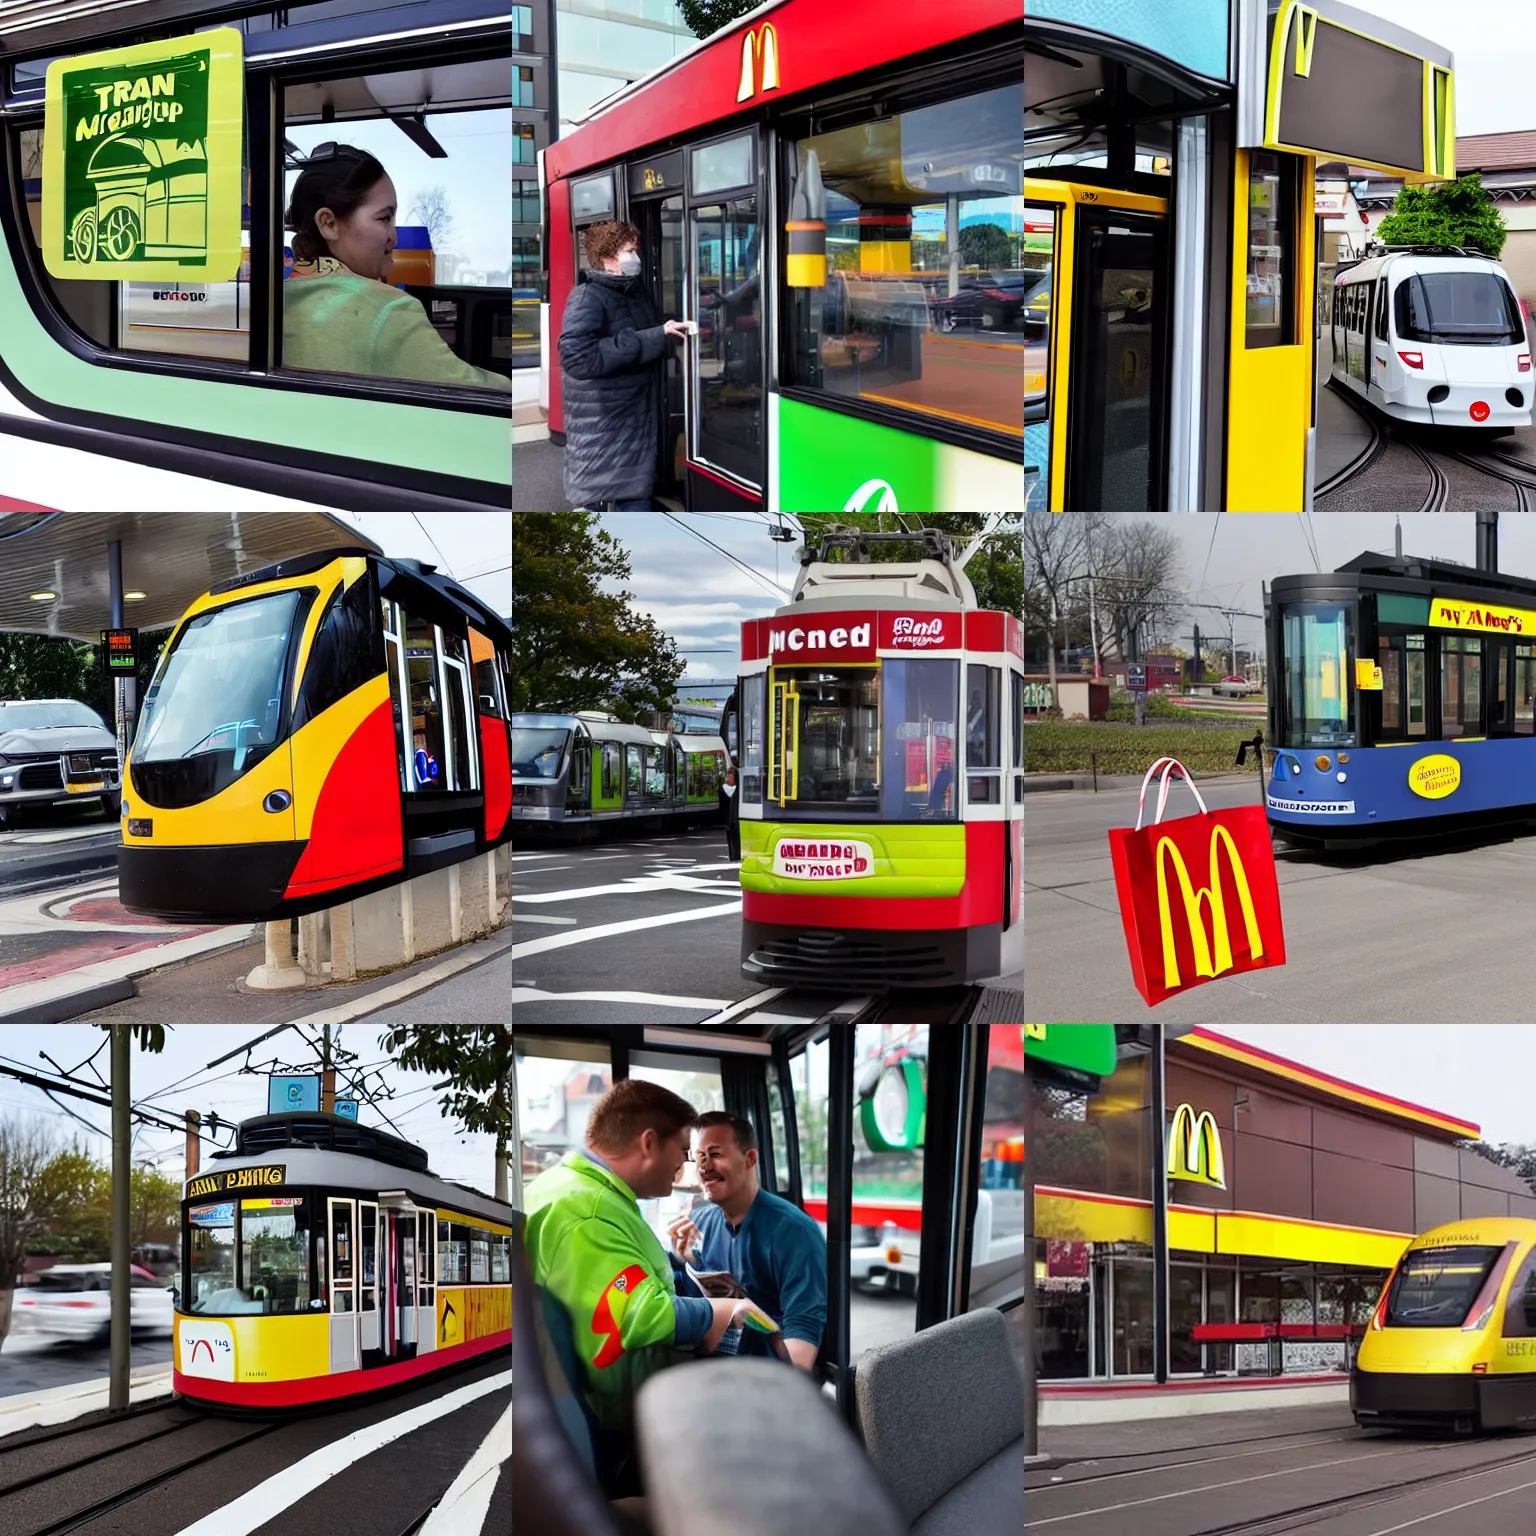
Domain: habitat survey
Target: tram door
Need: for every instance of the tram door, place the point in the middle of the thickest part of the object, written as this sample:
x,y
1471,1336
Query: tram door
x,y
368,1280
344,1285
426,1281
1117,394
660,222
397,1278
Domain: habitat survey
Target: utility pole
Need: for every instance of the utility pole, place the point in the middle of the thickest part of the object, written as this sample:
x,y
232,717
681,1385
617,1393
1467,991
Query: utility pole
x,y
122,1174
327,1077
194,1121
1052,639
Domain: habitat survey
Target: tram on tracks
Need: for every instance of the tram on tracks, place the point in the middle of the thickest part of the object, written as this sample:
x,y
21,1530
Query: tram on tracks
x,y
1402,700
581,774
315,730
1450,1341
148,355
1433,334
881,765
1169,166
322,1260
837,202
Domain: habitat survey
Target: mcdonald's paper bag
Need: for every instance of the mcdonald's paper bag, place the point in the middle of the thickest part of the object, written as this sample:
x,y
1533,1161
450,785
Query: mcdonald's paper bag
x,y
1198,898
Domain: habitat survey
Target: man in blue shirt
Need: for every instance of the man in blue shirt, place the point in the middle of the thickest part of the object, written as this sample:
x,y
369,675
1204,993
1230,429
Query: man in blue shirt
x,y
775,1252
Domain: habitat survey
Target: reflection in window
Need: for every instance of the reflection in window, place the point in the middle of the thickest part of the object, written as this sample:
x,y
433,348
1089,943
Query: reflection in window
x,y
921,698
753,694
1271,249
274,1255
428,749
1038,294
923,308
1318,704
1461,694
728,352
213,1256
826,737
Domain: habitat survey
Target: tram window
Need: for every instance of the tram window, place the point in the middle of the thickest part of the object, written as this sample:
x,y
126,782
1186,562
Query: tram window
x,y
592,197
1381,310
341,1242
479,1257
632,772
501,1259
1520,1311
488,697
1271,249
983,722
394,664
204,320
347,650
719,167
931,300
1525,689
1401,657
211,1268
1435,1287
454,654
921,698
225,674
1039,259
728,353
1316,704
612,773
369,1245
655,774
1016,698
452,1253
753,697
831,745
1476,307
780,1136
997,1254
1461,692
274,1254
428,766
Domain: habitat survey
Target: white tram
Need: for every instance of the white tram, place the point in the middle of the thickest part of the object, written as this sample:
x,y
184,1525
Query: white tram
x,y
1434,334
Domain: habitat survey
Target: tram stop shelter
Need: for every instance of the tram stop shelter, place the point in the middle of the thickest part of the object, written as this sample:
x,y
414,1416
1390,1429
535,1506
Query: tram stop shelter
x,y
1170,163
75,574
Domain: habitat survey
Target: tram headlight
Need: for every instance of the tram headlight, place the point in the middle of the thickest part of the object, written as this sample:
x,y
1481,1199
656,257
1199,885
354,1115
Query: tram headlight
x,y
125,810
1343,778
1324,764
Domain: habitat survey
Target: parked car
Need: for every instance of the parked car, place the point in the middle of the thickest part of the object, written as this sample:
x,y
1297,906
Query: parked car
x,y
56,751
992,302
1232,686
74,1301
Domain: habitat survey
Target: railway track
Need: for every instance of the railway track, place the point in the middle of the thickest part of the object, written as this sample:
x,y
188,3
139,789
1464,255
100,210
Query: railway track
x,y
1486,465
1383,434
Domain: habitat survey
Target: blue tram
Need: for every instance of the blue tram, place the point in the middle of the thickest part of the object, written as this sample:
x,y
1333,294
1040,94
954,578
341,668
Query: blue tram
x,y
1400,700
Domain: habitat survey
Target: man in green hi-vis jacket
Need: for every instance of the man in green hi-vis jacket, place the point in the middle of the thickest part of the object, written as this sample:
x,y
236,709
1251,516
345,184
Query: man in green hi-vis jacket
x,y
590,1248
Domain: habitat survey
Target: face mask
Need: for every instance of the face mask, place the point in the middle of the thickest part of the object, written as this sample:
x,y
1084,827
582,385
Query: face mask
x,y
629,263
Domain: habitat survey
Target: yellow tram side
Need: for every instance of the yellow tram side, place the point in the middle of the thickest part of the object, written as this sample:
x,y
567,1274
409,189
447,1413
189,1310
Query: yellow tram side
x,y
1452,1340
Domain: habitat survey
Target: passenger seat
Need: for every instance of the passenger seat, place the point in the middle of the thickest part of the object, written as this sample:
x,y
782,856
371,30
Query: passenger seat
x,y
942,1416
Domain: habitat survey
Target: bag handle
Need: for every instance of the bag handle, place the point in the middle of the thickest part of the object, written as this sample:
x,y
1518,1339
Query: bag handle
x,y
1170,766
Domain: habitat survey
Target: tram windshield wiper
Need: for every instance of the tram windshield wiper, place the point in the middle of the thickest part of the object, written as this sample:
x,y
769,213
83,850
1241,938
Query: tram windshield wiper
x,y
233,725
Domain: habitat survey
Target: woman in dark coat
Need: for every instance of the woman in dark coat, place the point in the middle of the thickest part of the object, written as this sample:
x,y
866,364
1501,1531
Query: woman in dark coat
x,y
730,807
611,345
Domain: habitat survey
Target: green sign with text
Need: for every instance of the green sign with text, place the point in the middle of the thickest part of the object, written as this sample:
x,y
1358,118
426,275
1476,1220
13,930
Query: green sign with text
x,y
1081,1047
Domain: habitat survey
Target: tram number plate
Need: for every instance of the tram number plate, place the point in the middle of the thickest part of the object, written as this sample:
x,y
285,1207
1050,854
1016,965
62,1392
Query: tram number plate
x,y
839,859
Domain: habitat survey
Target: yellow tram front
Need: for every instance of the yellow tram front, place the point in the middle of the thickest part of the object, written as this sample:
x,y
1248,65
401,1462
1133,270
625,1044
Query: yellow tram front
x,y
322,1259
1453,1338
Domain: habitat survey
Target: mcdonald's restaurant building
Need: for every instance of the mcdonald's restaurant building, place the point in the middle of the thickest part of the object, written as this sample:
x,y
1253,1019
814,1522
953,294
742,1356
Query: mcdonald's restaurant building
x,y
1290,1195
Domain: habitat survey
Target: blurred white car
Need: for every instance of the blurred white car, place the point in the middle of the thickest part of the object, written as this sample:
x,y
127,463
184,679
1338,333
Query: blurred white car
x,y
74,1301
1235,687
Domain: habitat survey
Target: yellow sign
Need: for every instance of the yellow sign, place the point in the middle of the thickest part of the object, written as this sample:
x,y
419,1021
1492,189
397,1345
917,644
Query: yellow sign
x,y
238,1178
759,61
142,151
1481,618
1213,955
1368,676
1434,777
1194,1148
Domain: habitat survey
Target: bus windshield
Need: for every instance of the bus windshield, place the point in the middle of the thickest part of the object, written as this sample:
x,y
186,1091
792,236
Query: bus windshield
x,y
1435,1287
537,751
220,687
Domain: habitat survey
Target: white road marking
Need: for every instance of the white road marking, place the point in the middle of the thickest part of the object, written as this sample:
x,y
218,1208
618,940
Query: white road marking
x,y
464,1507
549,869
672,880
528,994
610,930
60,835
556,922
284,1489
528,857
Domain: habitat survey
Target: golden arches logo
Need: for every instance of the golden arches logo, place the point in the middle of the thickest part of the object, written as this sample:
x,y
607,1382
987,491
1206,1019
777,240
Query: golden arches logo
x,y
759,61
1213,955
1194,1148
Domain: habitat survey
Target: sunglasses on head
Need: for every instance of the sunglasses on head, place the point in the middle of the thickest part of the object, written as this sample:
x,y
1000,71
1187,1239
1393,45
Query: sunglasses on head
x,y
334,151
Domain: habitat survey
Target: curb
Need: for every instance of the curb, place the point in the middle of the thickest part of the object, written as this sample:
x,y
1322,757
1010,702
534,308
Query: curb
x,y
56,1405
357,1007
62,997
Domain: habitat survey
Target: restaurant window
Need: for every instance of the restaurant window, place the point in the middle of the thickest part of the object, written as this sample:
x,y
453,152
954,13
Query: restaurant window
x,y
1272,251
1461,693
929,301
1185,1284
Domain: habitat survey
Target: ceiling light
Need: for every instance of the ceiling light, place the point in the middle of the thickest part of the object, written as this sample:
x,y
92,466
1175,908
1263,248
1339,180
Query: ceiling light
x,y
43,597
133,597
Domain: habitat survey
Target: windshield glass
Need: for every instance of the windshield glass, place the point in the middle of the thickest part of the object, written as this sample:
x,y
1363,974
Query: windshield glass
x,y
825,737
213,1256
921,699
43,714
49,1282
271,1244
1435,1287
536,752
1474,308
1318,706
220,689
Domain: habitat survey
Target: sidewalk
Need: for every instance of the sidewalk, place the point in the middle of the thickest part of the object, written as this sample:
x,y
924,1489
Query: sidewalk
x,y
58,1405
212,990
1035,782
538,471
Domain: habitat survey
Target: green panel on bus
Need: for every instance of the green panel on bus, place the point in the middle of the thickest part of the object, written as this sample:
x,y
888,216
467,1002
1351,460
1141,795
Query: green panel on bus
x,y
1083,1047
1395,608
142,150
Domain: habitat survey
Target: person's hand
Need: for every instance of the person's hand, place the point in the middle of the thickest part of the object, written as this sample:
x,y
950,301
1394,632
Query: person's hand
x,y
680,328
685,1237
728,1314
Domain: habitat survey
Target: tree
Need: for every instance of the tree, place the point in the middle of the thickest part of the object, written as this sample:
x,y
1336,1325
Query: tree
x,y
43,667
38,1185
985,245
1139,591
578,645
708,16
476,1060
1459,212
430,207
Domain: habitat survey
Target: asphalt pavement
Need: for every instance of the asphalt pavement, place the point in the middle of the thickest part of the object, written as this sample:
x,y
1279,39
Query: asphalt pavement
x,y
1432,934
32,1362
1270,1472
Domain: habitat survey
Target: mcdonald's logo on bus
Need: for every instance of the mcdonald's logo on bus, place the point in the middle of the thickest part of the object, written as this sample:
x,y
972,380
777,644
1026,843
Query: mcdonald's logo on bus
x,y
1194,1148
1213,952
759,61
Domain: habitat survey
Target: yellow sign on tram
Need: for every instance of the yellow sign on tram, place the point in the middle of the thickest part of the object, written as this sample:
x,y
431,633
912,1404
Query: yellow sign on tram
x,y
1481,618
142,149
